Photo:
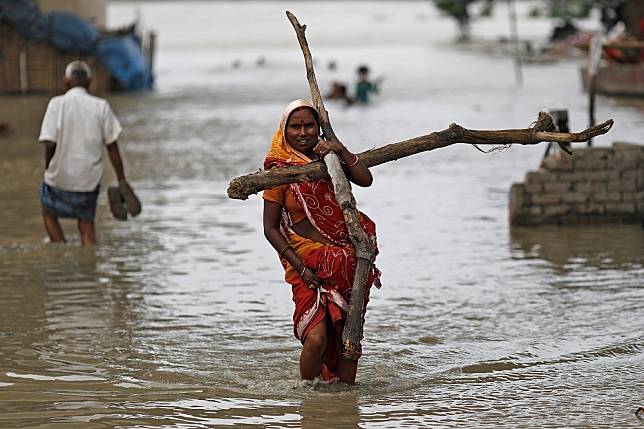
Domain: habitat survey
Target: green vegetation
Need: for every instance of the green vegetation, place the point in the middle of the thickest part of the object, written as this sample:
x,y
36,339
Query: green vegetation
x,y
570,9
461,11
464,11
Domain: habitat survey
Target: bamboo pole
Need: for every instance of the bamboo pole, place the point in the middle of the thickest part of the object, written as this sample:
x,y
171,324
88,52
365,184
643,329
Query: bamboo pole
x,y
595,55
514,29
352,333
243,186
24,68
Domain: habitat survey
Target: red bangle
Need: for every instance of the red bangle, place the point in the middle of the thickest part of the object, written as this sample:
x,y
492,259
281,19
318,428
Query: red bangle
x,y
355,161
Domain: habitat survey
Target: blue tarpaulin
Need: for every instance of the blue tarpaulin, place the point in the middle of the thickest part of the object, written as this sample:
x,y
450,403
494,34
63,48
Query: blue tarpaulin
x,y
120,54
65,31
71,33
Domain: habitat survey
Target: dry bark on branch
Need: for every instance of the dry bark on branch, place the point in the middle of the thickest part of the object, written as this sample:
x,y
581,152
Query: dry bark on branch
x,y
243,186
352,333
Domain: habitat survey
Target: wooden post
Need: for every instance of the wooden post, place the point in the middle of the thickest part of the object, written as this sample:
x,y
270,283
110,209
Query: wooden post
x,y
352,333
518,74
595,56
592,82
151,49
24,77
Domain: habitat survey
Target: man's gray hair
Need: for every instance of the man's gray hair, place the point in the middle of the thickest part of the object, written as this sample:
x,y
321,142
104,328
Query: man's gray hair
x,y
78,69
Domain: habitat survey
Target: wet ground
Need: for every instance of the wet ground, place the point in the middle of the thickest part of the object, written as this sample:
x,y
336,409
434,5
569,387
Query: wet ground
x,y
180,317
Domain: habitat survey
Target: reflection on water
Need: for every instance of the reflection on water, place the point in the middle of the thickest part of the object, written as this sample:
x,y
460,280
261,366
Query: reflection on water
x,y
340,409
603,247
180,317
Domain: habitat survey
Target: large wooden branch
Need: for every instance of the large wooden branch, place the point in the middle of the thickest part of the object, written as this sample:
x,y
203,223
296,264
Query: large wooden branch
x,y
364,250
243,186
316,98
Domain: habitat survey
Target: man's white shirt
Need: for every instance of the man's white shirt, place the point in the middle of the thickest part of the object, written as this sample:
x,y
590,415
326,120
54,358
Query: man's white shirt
x,y
80,124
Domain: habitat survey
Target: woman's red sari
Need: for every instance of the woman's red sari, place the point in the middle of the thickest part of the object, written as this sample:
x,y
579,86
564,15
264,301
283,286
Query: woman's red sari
x,y
334,264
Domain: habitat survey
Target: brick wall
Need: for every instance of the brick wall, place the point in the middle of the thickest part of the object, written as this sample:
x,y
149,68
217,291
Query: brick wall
x,y
595,185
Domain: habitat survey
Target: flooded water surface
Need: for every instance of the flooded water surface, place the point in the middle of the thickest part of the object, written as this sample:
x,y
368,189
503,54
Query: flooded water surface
x,y
181,318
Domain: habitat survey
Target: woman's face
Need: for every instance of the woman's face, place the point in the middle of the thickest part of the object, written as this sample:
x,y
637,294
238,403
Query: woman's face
x,y
302,130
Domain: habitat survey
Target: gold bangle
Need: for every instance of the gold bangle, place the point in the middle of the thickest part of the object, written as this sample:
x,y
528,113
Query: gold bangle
x,y
284,250
355,161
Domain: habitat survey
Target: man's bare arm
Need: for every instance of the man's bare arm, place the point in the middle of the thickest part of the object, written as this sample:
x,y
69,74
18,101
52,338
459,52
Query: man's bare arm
x,y
50,149
116,160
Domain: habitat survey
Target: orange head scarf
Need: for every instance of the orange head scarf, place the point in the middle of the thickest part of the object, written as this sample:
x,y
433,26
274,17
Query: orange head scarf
x,y
281,152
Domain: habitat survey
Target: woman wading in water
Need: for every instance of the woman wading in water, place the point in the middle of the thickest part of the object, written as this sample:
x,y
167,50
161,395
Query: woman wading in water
x,y
305,225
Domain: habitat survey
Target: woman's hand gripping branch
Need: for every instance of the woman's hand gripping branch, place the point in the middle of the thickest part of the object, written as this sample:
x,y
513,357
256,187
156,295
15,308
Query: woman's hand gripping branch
x,y
354,168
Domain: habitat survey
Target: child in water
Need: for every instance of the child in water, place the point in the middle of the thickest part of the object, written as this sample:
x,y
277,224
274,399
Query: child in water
x,y
364,86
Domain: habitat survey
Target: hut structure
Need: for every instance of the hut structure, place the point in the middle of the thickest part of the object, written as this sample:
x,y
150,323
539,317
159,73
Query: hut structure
x,y
28,66
38,40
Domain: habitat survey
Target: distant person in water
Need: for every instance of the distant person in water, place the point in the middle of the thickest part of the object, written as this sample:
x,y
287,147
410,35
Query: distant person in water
x,y
339,92
364,86
74,130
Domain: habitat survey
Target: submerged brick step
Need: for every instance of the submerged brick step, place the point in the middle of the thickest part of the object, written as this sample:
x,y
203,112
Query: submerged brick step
x,y
599,185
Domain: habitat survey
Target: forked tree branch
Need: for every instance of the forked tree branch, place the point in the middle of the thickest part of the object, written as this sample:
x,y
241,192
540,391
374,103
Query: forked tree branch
x,y
243,186
364,249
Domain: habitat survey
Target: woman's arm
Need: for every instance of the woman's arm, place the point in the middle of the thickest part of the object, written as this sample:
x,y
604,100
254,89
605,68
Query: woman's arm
x,y
271,219
355,169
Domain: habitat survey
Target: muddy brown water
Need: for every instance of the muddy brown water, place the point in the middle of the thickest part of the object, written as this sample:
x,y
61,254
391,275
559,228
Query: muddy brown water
x,y
180,318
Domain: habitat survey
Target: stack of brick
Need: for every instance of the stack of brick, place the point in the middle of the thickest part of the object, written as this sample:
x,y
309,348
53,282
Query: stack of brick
x,y
595,185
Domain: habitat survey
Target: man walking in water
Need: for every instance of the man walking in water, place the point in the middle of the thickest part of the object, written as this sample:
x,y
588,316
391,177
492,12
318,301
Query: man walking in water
x,y
74,130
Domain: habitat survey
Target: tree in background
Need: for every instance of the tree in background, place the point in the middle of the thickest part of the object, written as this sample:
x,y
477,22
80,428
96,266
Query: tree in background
x,y
567,11
570,9
630,12
461,11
